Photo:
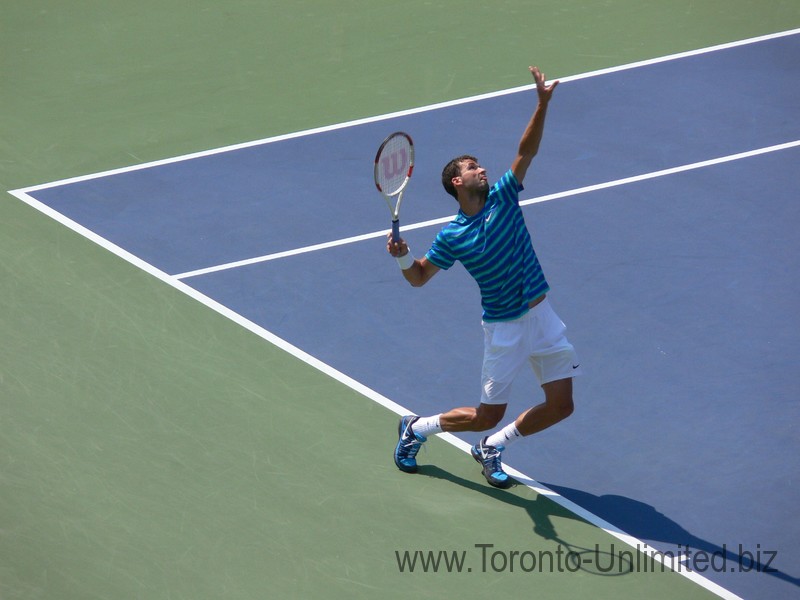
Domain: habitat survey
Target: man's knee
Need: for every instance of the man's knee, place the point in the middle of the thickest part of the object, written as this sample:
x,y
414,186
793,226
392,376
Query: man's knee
x,y
558,396
486,422
564,407
488,416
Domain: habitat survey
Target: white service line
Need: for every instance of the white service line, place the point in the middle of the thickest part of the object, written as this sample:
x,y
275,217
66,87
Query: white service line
x,y
439,221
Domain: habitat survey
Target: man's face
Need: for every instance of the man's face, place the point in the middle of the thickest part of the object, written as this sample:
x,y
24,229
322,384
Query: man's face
x,y
473,176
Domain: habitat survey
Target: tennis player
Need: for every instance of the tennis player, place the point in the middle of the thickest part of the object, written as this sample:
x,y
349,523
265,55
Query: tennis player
x,y
490,238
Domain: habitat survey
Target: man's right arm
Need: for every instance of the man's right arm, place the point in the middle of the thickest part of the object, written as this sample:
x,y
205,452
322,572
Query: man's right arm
x,y
420,272
417,271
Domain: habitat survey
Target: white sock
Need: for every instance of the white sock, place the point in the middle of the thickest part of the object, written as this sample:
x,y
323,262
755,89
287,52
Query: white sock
x,y
426,426
505,437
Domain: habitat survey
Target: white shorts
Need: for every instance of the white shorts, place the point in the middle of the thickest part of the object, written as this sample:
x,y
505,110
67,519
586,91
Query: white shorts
x,y
537,336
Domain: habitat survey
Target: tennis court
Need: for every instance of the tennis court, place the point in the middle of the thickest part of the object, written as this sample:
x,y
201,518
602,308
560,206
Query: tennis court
x,y
213,415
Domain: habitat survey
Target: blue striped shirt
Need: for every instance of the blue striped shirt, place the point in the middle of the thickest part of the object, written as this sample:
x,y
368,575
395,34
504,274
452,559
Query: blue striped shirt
x,y
495,248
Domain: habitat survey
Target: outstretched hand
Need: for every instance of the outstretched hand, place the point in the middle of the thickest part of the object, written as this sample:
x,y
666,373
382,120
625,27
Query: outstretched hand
x,y
544,91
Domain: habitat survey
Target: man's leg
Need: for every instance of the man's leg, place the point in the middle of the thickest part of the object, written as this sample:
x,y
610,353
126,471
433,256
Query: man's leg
x,y
486,416
501,361
414,431
556,407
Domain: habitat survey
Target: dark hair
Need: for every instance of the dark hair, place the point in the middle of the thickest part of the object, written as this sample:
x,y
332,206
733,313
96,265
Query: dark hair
x,y
453,169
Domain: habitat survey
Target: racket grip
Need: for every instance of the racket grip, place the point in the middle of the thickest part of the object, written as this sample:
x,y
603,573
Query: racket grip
x,y
396,230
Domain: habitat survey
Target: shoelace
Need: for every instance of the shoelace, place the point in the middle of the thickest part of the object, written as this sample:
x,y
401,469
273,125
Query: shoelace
x,y
491,458
410,443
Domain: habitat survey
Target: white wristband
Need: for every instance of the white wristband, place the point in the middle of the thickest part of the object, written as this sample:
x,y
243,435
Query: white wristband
x,y
406,261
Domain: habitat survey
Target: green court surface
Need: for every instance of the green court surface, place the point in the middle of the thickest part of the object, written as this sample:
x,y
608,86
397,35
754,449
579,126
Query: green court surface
x,y
152,448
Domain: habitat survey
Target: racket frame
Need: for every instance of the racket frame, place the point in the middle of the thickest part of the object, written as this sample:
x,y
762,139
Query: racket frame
x,y
394,209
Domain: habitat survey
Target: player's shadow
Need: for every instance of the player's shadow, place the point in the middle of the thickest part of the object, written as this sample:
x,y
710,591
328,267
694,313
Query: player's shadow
x,y
635,518
644,522
569,556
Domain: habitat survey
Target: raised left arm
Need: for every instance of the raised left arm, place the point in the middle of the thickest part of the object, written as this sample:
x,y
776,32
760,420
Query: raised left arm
x,y
532,137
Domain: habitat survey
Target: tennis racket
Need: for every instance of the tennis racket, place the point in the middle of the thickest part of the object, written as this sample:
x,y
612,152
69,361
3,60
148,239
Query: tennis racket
x,y
394,164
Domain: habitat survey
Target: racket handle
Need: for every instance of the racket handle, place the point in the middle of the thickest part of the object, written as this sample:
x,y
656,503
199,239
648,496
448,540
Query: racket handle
x,y
396,230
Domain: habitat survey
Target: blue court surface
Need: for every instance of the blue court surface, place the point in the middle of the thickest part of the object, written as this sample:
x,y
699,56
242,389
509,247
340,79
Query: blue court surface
x,y
664,209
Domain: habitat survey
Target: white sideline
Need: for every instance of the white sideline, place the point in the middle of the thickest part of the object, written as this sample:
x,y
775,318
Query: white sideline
x,y
175,280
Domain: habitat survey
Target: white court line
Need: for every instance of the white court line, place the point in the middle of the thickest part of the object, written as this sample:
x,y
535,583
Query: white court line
x,y
411,111
442,220
24,195
638,545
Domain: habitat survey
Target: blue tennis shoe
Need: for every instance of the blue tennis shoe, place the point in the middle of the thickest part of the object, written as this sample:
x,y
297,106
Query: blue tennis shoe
x,y
408,444
489,457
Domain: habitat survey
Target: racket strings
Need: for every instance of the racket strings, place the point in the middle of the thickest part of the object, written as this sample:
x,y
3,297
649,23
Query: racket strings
x,y
392,165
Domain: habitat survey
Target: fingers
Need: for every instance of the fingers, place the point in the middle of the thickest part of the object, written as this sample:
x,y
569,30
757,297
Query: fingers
x,y
540,80
396,248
